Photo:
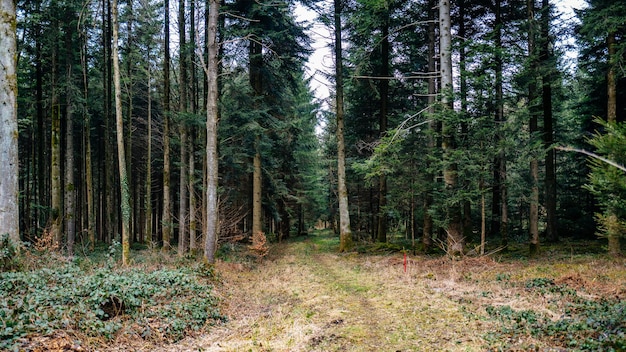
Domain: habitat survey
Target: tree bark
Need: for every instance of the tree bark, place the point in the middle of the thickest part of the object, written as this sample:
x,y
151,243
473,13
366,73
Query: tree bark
x,y
533,125
9,185
384,102
455,239
148,226
500,121
210,244
119,128
184,81
427,230
345,233
614,245
256,63
167,203
548,126
70,187
55,163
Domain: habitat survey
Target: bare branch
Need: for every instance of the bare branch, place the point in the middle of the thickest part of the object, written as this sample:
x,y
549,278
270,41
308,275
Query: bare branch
x,y
593,155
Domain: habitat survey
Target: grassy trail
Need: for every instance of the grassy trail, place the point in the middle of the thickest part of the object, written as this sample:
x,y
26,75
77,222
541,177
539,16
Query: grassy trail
x,y
306,297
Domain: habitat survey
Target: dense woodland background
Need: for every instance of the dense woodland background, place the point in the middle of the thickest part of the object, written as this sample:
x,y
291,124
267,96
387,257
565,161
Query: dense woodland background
x,y
483,162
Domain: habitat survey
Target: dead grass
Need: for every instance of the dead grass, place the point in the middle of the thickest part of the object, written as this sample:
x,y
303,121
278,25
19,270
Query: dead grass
x,y
306,297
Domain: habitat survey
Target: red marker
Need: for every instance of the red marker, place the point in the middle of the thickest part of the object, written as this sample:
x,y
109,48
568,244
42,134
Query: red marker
x,y
405,262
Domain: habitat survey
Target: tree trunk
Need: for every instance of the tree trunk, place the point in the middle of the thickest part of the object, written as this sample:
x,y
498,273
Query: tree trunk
x,y
548,129
193,105
182,185
614,245
256,64
533,125
257,216
384,102
70,187
456,240
148,225
210,244
427,231
55,164
345,233
167,204
89,186
9,186
500,121
121,157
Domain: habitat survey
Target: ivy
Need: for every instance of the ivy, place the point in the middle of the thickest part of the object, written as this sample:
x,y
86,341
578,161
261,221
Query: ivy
x,y
101,303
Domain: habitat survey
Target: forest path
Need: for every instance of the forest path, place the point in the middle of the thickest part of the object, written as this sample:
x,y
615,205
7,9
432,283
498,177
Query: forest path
x,y
307,297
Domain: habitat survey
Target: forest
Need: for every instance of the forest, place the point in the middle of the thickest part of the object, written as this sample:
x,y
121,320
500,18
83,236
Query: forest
x,y
178,136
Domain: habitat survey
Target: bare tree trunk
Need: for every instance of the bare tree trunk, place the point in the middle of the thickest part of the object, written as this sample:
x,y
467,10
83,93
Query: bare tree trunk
x,y
384,102
345,233
193,102
70,187
534,163
256,64
456,240
167,203
182,185
212,227
55,164
148,225
548,128
89,187
9,185
614,245
500,120
427,231
121,157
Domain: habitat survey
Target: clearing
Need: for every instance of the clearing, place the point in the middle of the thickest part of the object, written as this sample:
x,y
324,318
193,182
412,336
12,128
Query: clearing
x,y
306,297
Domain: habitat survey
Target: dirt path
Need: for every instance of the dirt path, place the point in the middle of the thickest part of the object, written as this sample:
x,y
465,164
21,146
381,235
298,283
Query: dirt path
x,y
306,298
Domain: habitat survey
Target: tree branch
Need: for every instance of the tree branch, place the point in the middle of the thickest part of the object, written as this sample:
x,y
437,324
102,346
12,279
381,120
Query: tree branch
x,y
593,155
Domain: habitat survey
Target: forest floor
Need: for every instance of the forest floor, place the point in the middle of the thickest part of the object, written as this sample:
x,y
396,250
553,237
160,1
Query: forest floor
x,y
304,296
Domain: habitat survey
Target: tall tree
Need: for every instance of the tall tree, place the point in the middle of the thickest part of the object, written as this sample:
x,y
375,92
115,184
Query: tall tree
x,y
345,233
500,121
210,243
548,123
119,128
533,216
427,229
9,211
167,203
183,84
455,238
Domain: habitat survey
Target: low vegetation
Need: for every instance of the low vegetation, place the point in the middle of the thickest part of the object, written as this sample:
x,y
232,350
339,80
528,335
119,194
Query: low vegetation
x,y
302,295
91,302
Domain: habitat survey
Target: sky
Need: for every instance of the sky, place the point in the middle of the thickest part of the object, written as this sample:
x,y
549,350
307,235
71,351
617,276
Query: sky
x,y
321,60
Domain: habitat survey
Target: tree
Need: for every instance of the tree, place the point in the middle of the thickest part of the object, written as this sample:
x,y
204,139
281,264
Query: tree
x,y
548,122
533,221
345,233
9,211
119,127
210,243
167,204
455,239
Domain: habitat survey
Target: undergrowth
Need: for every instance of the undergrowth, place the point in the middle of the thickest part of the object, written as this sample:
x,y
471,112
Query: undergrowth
x,y
104,302
586,324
